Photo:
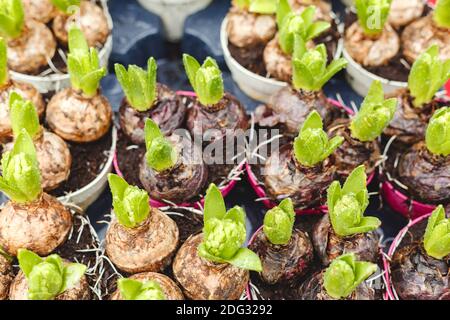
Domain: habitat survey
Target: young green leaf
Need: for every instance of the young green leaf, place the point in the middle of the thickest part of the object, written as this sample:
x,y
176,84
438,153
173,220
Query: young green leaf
x,y
312,145
83,64
4,78
372,15
428,74
21,179
346,205
161,154
279,222
138,85
23,115
345,274
131,204
302,25
310,70
441,13
374,115
68,7
263,6
224,234
437,234
206,80
48,277
438,132
242,4
131,289
12,18
214,204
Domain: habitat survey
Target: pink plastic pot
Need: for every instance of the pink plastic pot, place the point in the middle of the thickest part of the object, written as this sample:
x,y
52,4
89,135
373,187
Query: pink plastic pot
x,y
225,190
402,204
390,293
247,289
261,192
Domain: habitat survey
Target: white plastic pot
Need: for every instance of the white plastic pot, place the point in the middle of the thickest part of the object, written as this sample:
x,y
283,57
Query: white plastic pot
x,y
85,196
174,13
255,86
360,79
56,82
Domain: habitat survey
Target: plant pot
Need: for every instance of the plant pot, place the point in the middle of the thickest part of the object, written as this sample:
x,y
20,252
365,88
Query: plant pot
x,y
261,192
360,79
252,295
174,13
400,203
85,196
225,190
390,293
58,81
255,86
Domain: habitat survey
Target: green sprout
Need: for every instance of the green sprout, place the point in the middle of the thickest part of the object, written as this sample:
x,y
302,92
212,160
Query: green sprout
x,y
428,74
312,145
21,179
224,234
372,15
437,234
374,115
23,115
131,289
309,67
438,132
131,204
6,255
68,7
4,78
12,18
139,85
346,205
206,80
279,222
303,25
83,64
48,277
161,154
258,6
441,14
345,274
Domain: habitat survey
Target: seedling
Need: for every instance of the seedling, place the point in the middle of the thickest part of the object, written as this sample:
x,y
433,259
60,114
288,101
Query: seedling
x,y
372,15
206,79
302,25
428,74
84,64
224,234
131,204
345,274
442,14
310,70
48,277
161,154
139,85
374,115
131,289
312,145
346,205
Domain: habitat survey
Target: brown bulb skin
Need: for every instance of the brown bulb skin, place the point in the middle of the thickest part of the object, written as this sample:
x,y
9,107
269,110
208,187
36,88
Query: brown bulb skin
x,y
77,118
40,226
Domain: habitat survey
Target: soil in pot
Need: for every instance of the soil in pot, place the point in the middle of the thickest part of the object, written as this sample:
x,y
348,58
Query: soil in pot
x,y
252,58
88,160
397,68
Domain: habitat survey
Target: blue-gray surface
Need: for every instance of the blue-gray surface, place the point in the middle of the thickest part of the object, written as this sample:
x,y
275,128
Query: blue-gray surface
x,y
138,34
